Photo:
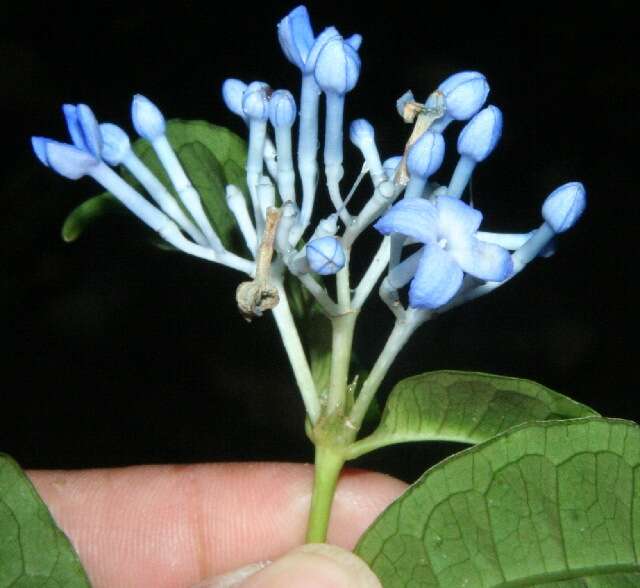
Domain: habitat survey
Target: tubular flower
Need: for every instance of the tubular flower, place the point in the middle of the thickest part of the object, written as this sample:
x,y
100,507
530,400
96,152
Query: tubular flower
x,y
451,249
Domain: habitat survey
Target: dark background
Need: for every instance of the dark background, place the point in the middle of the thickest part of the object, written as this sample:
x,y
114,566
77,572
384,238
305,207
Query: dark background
x,y
117,353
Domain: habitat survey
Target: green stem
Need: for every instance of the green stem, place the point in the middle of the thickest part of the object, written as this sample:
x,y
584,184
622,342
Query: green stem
x,y
343,326
341,344
295,351
328,464
402,331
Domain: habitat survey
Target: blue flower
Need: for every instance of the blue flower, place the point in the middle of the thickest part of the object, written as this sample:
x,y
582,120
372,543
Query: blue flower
x,y
325,255
451,249
564,206
337,67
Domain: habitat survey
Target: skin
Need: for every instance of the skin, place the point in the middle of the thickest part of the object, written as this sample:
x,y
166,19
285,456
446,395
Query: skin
x,y
174,526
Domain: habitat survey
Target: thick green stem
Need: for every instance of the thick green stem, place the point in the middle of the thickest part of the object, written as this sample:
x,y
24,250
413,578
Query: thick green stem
x,y
341,345
328,464
343,326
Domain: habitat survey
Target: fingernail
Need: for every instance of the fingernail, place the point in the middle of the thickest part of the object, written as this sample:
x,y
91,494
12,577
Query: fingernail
x,y
315,566
233,579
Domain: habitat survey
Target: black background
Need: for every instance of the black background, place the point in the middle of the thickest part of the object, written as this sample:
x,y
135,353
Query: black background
x,y
117,353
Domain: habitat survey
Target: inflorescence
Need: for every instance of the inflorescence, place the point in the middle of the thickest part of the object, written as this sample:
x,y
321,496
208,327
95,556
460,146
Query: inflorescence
x,y
450,262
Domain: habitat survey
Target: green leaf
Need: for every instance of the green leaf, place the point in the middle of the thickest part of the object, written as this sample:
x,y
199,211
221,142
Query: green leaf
x,y
83,215
212,157
467,407
547,504
33,551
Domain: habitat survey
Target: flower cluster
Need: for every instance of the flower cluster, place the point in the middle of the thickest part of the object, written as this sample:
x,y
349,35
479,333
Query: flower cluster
x,y
454,262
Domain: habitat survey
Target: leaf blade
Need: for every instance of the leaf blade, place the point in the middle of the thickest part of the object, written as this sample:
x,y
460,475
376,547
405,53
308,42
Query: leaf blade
x,y
465,407
33,551
543,504
86,213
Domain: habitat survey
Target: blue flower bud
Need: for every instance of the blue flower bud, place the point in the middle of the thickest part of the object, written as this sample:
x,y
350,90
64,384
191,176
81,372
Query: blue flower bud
x,y
296,36
90,131
282,109
232,93
361,133
39,145
391,164
481,134
255,102
147,118
564,206
465,93
338,67
325,255
426,155
69,161
115,143
326,36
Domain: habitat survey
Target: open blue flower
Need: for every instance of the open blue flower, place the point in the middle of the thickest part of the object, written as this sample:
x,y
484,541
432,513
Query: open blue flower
x,y
451,249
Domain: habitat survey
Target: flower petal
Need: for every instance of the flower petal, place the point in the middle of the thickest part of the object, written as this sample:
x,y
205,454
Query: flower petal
x,y
147,119
564,206
456,219
415,218
296,36
73,125
485,261
68,160
338,67
325,255
90,130
437,280
465,93
325,37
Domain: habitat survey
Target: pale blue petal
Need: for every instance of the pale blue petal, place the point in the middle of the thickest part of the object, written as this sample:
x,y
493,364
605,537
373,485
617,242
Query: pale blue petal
x,y
361,132
564,206
485,261
426,155
75,132
147,119
481,134
282,109
255,102
325,255
296,36
338,67
115,143
391,164
325,37
90,131
456,219
232,92
355,41
415,218
68,160
437,280
39,145
465,93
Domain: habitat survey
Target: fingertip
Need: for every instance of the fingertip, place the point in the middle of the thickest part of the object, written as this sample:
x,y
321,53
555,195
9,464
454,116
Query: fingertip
x,y
316,565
